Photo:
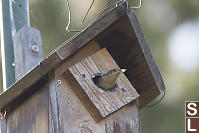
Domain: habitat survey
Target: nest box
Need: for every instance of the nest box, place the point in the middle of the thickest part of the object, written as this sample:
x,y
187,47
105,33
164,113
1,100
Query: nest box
x,y
114,40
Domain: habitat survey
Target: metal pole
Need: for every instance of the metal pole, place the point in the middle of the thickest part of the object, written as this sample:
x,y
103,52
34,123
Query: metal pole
x,y
21,13
14,15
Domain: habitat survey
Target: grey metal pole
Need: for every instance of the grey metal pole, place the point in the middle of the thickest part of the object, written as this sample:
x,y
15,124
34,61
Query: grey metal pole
x,y
21,13
14,16
7,45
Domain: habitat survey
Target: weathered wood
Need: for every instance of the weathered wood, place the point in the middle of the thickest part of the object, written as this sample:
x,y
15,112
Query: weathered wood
x,y
105,102
25,83
75,118
91,48
114,31
27,50
31,116
26,59
53,108
148,58
61,54
127,45
54,122
3,126
35,113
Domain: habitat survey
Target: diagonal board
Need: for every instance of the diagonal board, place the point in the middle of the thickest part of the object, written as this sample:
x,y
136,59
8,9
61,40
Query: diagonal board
x,y
105,102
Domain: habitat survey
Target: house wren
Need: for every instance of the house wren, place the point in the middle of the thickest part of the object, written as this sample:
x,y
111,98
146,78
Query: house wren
x,y
107,81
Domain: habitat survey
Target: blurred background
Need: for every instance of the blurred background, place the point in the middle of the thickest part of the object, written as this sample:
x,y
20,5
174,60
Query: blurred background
x,y
172,30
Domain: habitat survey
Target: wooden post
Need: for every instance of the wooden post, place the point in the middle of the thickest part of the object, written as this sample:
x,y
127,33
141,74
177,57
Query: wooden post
x,y
28,53
21,46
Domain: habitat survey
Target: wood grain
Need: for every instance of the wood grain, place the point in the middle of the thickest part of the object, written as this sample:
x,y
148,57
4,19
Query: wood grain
x,y
25,58
127,45
75,118
3,126
31,116
105,102
158,84
63,53
91,48
116,32
30,112
54,126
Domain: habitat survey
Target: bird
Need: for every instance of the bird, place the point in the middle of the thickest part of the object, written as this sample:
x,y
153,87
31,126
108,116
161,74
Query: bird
x,y
107,81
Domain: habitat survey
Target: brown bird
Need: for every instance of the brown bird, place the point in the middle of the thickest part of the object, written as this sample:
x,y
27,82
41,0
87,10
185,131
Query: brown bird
x,y
107,81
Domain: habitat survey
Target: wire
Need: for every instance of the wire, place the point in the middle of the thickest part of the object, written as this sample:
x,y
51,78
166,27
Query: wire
x,y
154,104
69,19
88,11
91,5
112,4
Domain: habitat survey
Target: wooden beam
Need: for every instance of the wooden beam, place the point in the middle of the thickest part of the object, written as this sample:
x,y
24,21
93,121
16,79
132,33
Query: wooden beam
x,y
28,53
61,54
27,50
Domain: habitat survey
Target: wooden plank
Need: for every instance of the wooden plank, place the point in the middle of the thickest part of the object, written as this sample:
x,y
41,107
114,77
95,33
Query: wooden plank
x,y
28,50
62,54
122,43
91,48
105,102
53,108
31,116
125,42
149,60
75,118
32,77
29,113
26,41
3,126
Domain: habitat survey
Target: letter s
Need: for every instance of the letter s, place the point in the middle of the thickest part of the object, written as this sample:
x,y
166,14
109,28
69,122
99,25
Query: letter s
x,y
190,107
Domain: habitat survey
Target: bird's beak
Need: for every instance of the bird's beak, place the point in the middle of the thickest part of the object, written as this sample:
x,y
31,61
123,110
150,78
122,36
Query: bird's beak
x,y
123,70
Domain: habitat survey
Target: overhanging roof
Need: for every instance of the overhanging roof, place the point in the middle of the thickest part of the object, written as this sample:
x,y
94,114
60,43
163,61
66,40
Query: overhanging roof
x,y
102,30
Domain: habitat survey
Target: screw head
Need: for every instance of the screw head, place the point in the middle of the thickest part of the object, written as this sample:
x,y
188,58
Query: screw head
x,y
13,64
35,48
59,82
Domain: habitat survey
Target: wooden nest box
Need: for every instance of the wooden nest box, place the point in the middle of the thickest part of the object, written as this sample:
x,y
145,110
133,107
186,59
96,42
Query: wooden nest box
x,y
58,94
